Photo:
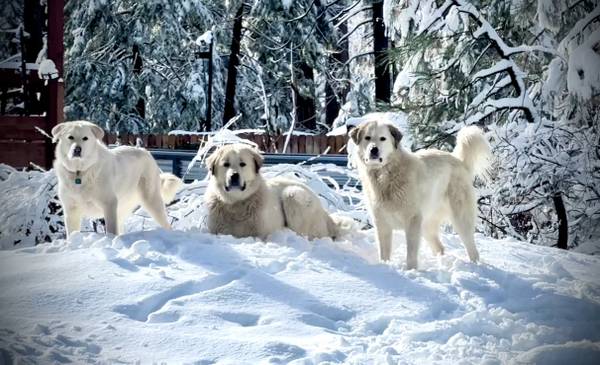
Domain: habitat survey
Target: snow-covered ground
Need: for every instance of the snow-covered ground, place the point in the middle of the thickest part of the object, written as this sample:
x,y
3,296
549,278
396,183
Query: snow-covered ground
x,y
186,296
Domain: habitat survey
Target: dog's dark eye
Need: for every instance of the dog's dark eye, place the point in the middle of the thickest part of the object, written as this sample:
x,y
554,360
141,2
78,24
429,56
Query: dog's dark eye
x,y
226,164
85,138
367,138
71,137
242,164
382,139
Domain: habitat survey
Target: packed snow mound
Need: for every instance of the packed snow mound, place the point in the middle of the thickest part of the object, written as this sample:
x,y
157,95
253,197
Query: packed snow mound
x,y
187,296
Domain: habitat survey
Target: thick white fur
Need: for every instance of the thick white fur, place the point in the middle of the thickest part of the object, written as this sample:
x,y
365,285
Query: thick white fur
x,y
258,207
113,182
416,192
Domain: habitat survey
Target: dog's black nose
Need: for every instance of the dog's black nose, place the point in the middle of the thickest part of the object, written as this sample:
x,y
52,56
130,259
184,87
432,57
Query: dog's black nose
x,y
77,151
235,179
374,151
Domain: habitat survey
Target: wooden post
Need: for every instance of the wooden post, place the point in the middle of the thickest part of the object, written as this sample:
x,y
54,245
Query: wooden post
x,y
56,22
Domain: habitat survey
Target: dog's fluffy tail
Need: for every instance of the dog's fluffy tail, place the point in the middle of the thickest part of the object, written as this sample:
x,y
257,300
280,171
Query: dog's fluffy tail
x,y
169,185
342,225
473,149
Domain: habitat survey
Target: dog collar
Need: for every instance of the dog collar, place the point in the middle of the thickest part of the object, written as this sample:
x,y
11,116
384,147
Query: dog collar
x,y
77,177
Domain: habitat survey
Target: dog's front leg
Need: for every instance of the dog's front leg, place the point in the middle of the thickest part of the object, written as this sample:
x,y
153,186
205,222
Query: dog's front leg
x,y
384,239
110,216
413,240
72,219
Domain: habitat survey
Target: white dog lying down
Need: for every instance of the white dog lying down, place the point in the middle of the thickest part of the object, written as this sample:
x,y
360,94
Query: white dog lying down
x,y
96,182
418,191
242,203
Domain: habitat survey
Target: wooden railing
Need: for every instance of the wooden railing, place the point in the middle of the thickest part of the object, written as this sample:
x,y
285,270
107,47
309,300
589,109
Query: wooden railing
x,y
304,144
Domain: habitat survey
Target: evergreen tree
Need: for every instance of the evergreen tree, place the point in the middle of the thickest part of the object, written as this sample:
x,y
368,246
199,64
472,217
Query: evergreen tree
x,y
107,39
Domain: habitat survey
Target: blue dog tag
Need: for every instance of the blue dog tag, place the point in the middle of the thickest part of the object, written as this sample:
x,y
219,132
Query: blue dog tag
x,y
78,181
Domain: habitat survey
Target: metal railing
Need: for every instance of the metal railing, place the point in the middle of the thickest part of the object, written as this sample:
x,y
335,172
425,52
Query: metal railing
x,y
176,162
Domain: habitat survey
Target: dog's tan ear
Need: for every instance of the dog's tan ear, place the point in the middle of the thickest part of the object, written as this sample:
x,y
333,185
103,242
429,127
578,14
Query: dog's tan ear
x,y
98,132
396,134
258,159
57,132
356,133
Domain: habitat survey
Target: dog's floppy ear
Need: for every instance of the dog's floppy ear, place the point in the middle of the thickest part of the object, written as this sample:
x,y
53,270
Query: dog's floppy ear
x,y
356,133
211,161
258,159
57,132
98,132
396,134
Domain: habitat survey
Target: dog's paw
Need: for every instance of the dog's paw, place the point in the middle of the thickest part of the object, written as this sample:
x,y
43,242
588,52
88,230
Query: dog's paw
x,y
474,256
412,265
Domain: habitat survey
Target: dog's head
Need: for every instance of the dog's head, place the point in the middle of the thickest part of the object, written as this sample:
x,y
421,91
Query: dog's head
x,y
77,143
376,142
235,170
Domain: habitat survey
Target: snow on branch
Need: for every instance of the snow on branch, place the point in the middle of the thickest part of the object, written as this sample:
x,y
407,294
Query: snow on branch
x,y
577,29
490,91
486,29
505,65
491,106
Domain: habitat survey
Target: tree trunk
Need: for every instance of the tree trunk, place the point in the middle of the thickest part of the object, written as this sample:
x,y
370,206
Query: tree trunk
x,y
34,19
137,69
333,104
563,224
380,46
229,108
305,109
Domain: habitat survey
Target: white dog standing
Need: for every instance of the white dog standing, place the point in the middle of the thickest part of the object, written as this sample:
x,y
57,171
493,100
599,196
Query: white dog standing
x,y
418,191
96,182
242,203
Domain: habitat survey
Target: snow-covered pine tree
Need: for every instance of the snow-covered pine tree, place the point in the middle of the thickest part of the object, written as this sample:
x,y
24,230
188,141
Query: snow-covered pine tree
x,y
275,34
104,41
556,162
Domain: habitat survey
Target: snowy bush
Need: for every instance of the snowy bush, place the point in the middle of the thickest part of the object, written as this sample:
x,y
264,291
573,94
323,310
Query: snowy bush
x,y
32,212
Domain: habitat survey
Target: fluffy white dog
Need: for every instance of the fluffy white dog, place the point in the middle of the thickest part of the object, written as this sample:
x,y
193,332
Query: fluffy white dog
x,y
96,182
242,203
418,191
